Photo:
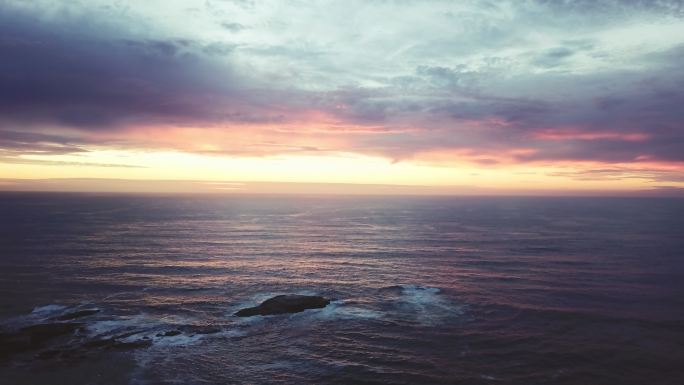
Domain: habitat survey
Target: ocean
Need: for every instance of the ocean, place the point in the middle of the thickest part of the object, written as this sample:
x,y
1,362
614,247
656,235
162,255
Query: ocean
x,y
426,290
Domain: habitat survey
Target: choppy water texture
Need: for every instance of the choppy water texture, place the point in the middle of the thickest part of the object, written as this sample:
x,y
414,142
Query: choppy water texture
x,y
428,290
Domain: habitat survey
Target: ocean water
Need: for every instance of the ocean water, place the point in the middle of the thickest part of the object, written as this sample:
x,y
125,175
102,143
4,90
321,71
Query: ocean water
x,y
427,290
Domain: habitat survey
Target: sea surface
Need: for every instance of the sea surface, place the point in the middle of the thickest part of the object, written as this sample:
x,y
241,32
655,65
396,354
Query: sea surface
x,y
427,290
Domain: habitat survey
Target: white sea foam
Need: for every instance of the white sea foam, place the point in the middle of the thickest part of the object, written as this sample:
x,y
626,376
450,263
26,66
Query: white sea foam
x,y
425,305
178,340
48,310
37,315
153,328
340,309
121,324
421,297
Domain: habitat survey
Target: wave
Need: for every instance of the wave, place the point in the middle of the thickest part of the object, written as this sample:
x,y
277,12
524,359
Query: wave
x,y
48,310
423,305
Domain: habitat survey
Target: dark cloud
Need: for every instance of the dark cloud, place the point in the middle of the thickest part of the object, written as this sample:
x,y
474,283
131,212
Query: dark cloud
x,y
553,57
61,75
233,27
14,146
16,143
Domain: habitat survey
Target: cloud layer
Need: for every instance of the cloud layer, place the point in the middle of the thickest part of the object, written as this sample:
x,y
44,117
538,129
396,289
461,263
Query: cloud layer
x,y
489,83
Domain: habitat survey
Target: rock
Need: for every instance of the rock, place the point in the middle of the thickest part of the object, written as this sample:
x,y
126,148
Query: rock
x,y
49,341
142,343
13,343
76,314
281,304
170,333
49,354
34,337
41,333
206,329
94,344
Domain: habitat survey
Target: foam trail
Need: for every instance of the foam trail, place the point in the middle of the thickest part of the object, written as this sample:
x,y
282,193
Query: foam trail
x,y
48,310
425,305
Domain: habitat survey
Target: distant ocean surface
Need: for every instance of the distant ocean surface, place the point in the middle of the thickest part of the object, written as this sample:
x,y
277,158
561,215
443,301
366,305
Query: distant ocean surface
x,y
428,290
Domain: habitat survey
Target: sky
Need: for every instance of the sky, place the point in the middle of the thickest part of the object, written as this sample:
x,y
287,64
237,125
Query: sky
x,y
510,96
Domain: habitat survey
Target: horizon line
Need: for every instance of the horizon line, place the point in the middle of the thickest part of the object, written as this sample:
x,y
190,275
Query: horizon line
x,y
237,187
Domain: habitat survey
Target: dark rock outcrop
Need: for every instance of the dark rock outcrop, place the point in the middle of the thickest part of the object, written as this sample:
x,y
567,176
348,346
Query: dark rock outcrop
x,y
41,333
34,337
119,342
281,304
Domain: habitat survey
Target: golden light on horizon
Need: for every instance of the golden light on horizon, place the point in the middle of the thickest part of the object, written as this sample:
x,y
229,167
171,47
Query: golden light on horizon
x,y
348,168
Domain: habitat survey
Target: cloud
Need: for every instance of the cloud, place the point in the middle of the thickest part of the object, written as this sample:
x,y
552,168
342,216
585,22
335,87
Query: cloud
x,y
562,80
621,173
13,142
57,71
232,27
43,162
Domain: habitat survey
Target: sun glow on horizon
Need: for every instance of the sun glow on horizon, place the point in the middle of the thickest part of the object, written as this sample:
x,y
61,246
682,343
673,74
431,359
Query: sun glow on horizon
x,y
346,168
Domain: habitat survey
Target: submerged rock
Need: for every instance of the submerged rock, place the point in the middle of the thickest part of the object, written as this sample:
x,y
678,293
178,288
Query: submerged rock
x,y
205,329
126,345
281,304
170,333
42,333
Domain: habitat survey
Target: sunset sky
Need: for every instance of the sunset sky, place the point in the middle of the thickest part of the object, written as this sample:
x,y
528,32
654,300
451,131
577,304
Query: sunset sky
x,y
445,96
